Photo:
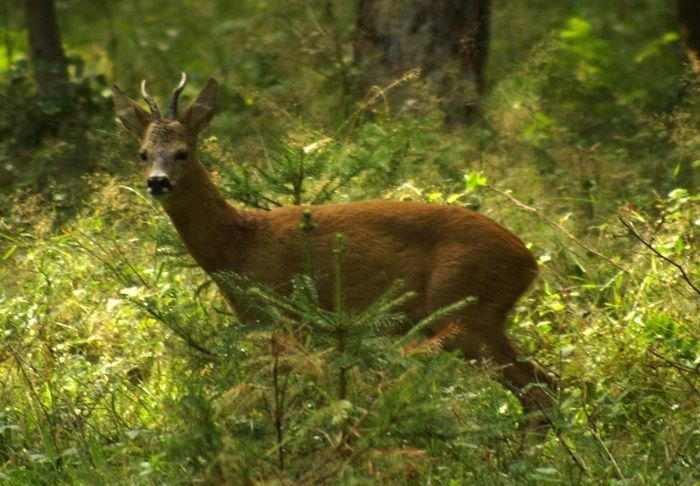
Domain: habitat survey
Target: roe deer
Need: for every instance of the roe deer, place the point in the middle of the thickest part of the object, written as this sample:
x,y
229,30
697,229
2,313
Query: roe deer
x,y
444,253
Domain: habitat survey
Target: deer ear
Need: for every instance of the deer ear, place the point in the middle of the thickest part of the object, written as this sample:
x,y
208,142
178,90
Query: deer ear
x,y
133,117
199,113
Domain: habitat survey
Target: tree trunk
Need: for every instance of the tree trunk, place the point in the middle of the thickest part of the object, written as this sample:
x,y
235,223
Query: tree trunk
x,y
689,13
447,40
46,51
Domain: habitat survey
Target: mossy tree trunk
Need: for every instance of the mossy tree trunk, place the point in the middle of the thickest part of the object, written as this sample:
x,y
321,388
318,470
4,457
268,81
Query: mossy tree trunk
x,y
689,14
447,40
689,17
45,49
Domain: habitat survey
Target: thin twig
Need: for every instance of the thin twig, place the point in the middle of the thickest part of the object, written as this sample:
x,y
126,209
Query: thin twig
x,y
177,330
689,433
682,370
673,364
556,225
278,401
656,252
578,461
21,363
595,433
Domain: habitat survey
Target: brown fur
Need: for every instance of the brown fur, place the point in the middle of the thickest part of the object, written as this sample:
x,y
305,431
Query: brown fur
x,y
443,253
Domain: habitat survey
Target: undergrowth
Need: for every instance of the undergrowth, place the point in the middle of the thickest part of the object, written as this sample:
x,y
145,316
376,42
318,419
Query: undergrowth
x,y
122,363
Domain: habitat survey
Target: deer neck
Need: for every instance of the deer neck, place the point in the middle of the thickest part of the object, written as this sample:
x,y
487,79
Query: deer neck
x,y
211,228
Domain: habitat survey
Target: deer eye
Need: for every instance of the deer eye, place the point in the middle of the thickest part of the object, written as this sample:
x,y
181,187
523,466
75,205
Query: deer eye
x,y
181,155
144,155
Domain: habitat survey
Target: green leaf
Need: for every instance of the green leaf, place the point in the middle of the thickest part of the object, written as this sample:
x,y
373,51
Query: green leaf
x,y
678,194
576,28
9,252
474,180
680,246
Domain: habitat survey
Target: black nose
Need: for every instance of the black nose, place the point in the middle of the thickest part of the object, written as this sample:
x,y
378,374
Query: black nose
x,y
159,185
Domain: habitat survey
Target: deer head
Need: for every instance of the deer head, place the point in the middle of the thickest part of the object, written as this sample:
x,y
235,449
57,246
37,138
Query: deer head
x,y
168,143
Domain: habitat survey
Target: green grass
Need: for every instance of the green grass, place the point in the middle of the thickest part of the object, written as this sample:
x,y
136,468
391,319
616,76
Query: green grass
x,y
104,378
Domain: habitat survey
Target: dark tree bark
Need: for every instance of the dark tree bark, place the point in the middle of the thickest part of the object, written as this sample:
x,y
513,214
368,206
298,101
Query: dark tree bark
x,y
689,13
447,40
45,49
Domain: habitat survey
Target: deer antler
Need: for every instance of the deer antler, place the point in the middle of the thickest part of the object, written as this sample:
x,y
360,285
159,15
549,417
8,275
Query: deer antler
x,y
176,95
155,112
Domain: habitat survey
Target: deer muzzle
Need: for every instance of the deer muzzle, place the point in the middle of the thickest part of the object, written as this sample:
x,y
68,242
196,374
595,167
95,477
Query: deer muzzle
x,y
159,185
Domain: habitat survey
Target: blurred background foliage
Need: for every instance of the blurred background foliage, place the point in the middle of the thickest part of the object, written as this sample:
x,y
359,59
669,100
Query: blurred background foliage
x,y
119,363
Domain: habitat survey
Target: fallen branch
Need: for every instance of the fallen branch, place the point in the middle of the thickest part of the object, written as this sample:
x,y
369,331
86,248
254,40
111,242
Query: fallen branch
x,y
556,225
679,267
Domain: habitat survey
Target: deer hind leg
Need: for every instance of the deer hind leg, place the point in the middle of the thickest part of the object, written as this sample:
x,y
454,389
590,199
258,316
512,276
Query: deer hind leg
x,y
525,379
530,384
